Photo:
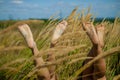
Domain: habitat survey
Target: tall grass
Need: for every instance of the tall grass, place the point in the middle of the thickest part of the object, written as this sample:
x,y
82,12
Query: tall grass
x,y
16,60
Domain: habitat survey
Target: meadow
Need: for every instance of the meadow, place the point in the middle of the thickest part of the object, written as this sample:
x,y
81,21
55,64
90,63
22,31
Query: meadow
x,y
16,59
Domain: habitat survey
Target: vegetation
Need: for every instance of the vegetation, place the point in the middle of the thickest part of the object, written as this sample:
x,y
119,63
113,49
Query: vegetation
x,y
16,60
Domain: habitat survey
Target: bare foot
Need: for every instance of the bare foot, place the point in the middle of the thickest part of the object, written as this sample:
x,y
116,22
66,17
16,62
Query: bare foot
x,y
26,32
59,30
100,33
91,32
43,73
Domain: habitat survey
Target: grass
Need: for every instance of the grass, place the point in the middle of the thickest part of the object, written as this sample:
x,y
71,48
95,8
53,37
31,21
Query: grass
x,y
16,62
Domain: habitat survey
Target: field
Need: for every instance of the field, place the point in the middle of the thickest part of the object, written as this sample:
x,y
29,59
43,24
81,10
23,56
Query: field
x,y
16,59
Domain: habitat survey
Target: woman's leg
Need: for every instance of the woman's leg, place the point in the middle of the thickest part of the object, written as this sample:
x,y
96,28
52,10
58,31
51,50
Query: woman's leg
x,y
100,65
96,37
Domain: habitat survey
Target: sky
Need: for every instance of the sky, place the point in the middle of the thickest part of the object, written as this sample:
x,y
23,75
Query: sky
x,y
25,9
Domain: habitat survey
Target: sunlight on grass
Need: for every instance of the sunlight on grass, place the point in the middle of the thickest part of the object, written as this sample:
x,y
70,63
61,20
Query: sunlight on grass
x,y
16,60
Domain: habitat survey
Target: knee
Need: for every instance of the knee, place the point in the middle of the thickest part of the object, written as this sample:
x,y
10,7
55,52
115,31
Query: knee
x,y
100,70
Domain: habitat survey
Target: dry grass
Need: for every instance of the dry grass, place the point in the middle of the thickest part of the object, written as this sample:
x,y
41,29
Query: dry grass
x,y
70,50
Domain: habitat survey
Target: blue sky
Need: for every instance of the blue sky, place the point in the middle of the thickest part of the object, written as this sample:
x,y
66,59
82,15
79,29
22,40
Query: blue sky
x,y
24,9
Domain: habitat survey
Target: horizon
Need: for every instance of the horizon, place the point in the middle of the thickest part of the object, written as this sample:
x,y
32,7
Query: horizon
x,y
111,19
41,9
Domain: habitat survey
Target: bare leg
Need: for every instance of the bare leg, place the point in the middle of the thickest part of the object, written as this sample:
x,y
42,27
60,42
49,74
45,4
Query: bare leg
x,y
96,38
100,65
86,75
43,73
51,57
89,28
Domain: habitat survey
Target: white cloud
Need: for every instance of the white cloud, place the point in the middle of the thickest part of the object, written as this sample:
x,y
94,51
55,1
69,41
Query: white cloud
x,y
17,1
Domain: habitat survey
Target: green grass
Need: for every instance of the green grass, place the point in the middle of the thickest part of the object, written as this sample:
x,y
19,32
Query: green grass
x,y
16,62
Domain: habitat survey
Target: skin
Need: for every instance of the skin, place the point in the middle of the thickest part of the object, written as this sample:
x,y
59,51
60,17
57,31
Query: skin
x,y
51,57
43,73
97,70
96,36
